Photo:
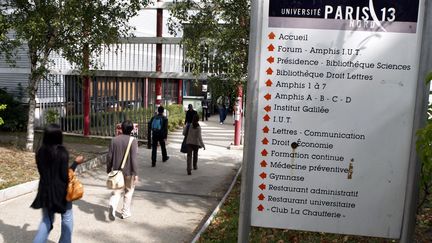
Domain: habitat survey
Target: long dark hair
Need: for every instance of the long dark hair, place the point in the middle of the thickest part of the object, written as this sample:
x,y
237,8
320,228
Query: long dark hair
x,y
51,141
195,121
53,135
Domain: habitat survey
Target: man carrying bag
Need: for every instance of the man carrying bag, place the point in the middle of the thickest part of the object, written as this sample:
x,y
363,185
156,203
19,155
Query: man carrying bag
x,y
122,159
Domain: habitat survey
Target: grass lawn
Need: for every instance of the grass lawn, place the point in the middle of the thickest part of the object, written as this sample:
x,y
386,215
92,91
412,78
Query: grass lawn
x,y
18,166
224,228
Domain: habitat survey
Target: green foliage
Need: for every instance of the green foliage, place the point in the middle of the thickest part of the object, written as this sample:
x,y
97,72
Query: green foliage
x,y
224,226
221,88
2,107
176,116
424,150
216,32
135,115
66,27
94,25
14,114
73,28
52,116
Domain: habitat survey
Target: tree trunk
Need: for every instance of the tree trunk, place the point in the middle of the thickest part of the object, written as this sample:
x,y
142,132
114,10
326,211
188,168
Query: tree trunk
x,y
32,90
31,113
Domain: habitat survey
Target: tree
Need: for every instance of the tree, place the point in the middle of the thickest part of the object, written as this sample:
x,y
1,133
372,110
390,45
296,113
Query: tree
x,y
67,27
215,32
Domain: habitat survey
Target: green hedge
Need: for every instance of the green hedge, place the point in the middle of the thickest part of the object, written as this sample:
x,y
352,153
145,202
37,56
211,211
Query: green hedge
x,y
176,116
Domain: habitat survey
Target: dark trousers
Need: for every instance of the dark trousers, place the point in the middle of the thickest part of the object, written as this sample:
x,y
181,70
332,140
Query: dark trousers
x,y
205,114
192,152
155,141
222,114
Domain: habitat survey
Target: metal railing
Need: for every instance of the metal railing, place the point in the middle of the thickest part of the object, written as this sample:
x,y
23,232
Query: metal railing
x,y
113,100
122,86
139,55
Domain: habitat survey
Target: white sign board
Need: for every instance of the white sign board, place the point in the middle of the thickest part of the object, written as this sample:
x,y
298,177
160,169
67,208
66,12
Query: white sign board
x,y
336,103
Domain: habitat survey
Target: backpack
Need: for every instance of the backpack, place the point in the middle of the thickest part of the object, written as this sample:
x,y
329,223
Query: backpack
x,y
156,125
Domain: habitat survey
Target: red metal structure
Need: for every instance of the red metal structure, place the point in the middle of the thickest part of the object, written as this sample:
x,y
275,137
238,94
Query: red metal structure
x,y
86,93
238,114
158,86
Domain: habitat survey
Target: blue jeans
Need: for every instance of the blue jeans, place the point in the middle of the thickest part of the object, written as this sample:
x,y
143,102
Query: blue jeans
x,y
48,220
222,114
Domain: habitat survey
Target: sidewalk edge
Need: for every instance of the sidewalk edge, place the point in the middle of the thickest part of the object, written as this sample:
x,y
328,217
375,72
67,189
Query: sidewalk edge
x,y
216,210
28,187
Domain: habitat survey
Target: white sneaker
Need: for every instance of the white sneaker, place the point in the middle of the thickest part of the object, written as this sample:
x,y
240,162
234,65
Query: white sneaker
x,y
126,215
111,213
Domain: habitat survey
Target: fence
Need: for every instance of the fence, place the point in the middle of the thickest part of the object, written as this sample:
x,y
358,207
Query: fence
x,y
113,100
123,85
139,54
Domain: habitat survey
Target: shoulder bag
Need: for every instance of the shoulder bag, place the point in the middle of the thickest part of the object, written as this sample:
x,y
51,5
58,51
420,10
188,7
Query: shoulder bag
x,y
115,177
184,146
75,189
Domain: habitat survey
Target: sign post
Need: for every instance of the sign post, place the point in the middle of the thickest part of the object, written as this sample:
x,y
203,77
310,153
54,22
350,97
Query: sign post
x,y
337,95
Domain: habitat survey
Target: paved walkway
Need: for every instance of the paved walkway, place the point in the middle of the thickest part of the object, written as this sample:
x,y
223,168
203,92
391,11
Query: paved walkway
x,y
168,205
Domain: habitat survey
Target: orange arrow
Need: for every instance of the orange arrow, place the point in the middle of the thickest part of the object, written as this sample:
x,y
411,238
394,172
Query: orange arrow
x,y
266,129
269,71
263,175
264,152
270,59
262,186
270,47
263,163
269,83
260,208
267,108
267,96
271,36
261,197
265,141
266,118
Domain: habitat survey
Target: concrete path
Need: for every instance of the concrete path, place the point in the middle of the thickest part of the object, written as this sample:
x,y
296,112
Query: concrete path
x,y
168,205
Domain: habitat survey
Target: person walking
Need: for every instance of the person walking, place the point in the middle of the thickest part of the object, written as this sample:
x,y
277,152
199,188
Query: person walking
x,y
52,161
116,153
194,142
223,105
159,132
190,113
205,107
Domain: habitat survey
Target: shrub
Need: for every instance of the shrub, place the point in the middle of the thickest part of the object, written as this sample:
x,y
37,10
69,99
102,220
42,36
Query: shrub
x,y
176,116
52,116
2,107
15,114
424,150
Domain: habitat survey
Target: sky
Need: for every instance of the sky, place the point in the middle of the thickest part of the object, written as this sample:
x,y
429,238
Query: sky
x,y
145,23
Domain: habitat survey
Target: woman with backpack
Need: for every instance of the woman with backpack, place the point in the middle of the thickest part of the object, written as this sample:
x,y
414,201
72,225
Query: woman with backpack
x,y
194,142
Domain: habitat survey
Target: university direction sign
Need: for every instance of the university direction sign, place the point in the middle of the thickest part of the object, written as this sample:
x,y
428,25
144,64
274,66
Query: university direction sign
x,y
336,95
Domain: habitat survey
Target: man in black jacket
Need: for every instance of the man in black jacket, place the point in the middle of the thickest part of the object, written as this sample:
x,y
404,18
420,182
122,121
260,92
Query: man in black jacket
x,y
190,113
159,128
